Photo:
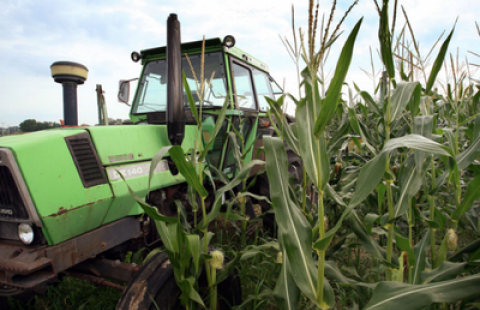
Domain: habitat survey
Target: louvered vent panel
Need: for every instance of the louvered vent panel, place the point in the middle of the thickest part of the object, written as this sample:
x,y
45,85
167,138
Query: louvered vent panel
x,y
86,160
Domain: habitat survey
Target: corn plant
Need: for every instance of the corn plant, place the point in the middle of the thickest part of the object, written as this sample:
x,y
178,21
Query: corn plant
x,y
186,248
408,159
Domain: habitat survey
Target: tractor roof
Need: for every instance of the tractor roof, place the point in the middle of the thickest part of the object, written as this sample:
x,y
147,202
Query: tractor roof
x,y
211,45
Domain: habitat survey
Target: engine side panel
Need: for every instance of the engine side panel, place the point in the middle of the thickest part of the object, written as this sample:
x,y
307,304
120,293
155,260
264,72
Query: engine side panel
x,y
117,145
65,207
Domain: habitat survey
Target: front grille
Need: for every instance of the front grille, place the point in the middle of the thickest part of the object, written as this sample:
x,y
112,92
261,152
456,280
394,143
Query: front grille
x,y
86,160
11,204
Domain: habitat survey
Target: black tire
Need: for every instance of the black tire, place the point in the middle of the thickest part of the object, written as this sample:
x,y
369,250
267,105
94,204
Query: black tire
x,y
154,286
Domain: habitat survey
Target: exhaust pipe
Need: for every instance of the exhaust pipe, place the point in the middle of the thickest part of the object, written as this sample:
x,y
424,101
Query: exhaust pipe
x,y
175,108
69,74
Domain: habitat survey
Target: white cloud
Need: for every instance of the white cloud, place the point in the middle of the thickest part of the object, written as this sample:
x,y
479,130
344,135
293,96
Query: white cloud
x,y
101,36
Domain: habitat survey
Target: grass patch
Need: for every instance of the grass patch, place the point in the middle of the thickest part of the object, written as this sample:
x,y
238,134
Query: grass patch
x,y
71,293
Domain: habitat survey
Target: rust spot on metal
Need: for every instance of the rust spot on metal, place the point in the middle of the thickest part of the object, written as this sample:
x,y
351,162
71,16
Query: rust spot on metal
x,y
61,211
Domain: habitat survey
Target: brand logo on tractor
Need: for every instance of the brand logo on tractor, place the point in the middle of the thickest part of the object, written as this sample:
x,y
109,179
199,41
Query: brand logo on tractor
x,y
6,212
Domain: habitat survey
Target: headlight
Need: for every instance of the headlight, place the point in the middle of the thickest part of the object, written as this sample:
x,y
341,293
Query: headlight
x,y
25,233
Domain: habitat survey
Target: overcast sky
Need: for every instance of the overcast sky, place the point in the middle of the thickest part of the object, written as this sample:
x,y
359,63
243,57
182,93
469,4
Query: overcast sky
x,y
102,34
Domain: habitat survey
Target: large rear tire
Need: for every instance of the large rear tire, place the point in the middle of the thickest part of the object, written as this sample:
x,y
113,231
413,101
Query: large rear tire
x,y
154,286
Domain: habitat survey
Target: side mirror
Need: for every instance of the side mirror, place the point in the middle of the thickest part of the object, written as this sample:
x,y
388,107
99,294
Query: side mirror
x,y
124,91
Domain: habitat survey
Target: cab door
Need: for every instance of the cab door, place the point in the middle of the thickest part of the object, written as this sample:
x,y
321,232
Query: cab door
x,y
250,86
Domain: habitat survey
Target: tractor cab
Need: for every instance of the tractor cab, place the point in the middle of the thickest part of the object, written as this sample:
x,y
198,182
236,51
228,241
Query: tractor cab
x,y
230,76
228,73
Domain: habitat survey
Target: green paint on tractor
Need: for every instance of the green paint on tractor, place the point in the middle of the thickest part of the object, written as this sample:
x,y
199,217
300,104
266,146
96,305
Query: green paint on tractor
x,y
66,183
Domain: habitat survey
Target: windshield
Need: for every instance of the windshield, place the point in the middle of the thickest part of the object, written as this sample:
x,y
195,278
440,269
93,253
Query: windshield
x,y
152,90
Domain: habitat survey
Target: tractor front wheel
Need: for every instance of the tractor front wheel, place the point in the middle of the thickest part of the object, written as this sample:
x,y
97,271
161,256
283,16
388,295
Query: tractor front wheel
x,y
154,287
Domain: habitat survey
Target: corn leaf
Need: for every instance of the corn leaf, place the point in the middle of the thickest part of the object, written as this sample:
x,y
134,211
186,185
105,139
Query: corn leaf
x,y
367,241
385,41
335,88
437,65
191,101
402,96
446,271
472,194
232,138
422,125
284,130
155,160
151,211
193,244
218,125
395,295
410,183
188,171
371,174
175,238
420,252
312,151
163,232
286,293
217,203
370,102
334,195
467,157
339,137
188,288
334,273
308,148
354,123
186,253
469,248
295,232
404,245
407,190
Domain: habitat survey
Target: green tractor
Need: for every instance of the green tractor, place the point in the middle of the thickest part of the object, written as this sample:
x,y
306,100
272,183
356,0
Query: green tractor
x,y
64,208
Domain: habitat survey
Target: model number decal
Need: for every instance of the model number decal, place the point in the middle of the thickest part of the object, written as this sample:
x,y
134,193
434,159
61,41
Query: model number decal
x,y
6,211
133,171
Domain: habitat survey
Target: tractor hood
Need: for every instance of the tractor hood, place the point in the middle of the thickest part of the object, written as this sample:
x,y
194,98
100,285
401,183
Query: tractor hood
x,y
68,173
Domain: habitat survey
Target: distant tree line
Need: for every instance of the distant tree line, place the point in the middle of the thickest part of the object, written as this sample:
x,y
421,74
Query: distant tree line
x,y
30,125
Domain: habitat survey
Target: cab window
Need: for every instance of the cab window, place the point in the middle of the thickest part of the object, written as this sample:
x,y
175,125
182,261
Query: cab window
x,y
263,87
244,94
